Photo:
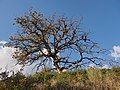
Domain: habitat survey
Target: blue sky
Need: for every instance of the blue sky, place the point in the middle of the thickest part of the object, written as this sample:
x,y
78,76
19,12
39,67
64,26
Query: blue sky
x,y
101,17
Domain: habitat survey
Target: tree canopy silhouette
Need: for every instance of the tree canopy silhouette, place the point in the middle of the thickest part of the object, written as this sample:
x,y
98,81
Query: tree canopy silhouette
x,y
58,40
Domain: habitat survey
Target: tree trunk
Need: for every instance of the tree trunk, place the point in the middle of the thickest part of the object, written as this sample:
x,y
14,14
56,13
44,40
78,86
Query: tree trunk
x,y
58,69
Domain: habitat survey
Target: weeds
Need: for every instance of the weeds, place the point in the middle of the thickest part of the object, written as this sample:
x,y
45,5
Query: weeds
x,y
89,79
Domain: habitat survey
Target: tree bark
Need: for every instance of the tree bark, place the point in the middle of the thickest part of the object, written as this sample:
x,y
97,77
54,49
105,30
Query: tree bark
x,y
58,69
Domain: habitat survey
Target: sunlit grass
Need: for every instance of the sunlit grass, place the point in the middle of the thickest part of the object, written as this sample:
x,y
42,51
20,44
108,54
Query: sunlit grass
x,y
89,79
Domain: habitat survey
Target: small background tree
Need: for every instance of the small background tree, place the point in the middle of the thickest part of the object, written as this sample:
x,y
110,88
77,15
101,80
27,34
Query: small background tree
x,y
57,40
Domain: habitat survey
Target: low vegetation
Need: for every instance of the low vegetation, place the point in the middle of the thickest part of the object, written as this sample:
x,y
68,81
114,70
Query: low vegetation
x,y
84,79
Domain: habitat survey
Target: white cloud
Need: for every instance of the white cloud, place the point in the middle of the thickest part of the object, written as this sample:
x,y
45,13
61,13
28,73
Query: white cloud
x,y
2,42
92,65
8,63
105,67
116,52
6,60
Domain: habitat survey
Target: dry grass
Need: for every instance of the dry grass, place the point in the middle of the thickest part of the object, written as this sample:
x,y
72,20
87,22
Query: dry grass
x,y
90,79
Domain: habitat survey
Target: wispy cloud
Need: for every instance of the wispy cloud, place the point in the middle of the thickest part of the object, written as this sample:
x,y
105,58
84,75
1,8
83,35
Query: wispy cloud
x,y
92,65
116,52
2,43
105,66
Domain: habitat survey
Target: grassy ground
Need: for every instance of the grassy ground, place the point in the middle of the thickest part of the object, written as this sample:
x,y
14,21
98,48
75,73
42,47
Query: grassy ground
x,y
90,79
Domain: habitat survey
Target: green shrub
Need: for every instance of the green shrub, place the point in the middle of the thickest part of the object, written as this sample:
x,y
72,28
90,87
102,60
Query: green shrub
x,y
91,78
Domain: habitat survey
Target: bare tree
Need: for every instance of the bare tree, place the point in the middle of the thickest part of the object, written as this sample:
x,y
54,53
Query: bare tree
x,y
55,39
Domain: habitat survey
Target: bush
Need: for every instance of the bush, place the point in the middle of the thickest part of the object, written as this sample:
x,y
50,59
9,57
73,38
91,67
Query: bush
x,y
91,78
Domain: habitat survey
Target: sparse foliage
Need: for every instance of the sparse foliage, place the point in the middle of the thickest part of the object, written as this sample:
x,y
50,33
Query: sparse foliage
x,y
58,40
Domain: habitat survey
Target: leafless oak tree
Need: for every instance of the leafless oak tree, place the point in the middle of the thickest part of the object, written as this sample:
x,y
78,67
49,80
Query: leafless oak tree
x,y
55,39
